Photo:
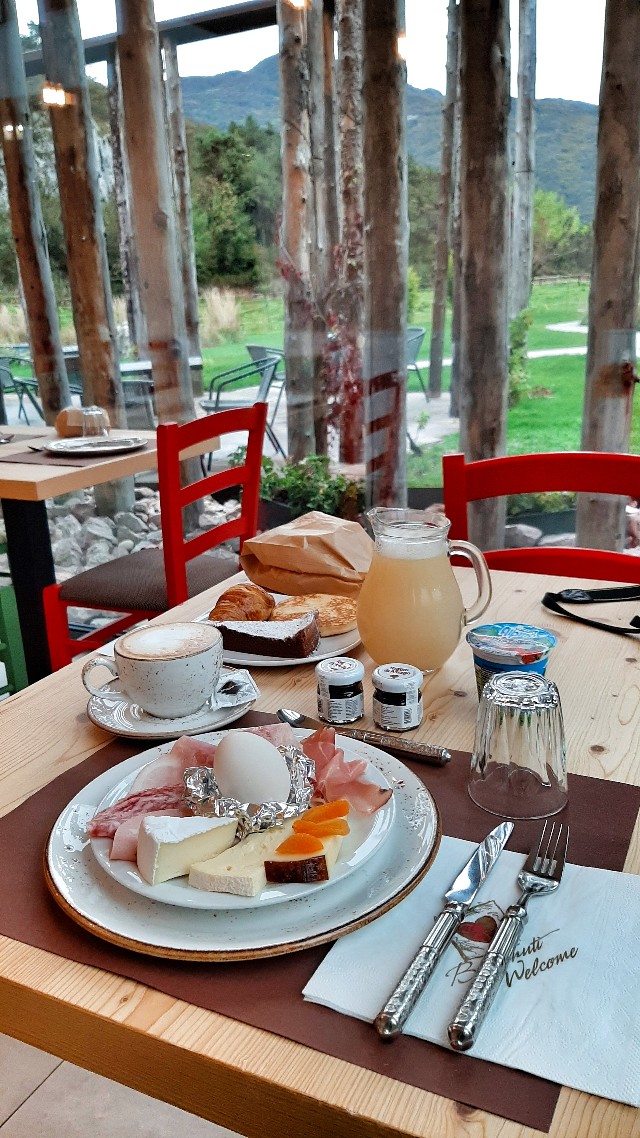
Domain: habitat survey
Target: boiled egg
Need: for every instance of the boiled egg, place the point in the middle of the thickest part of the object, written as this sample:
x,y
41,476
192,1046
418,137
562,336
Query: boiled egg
x,y
251,769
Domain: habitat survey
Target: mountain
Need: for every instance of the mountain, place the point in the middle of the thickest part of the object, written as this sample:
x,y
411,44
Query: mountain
x,y
565,140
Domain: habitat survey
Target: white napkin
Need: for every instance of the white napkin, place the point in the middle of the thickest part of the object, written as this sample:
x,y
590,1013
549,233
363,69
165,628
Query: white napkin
x,y
568,1007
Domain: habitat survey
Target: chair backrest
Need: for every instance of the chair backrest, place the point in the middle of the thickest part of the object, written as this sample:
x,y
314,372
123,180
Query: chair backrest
x,y
579,471
415,336
173,440
258,352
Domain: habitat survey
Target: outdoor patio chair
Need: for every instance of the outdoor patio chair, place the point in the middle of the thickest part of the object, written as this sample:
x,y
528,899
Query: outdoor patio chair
x,y
415,336
146,583
579,471
222,395
11,650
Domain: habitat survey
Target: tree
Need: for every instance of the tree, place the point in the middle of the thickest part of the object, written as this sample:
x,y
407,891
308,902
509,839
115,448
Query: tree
x,y
521,244
484,96
423,208
613,300
441,272
562,245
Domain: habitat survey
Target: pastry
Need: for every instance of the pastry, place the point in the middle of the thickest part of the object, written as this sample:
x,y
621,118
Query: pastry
x,y
283,638
335,614
243,602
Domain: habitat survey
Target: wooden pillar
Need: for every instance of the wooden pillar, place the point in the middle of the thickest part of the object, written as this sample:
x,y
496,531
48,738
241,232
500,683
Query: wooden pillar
x,y
182,190
330,147
27,226
351,315
320,267
128,258
484,94
441,272
456,260
76,165
613,300
296,230
152,208
524,171
386,253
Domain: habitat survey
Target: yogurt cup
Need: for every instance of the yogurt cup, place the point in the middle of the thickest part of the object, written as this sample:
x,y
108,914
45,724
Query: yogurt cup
x,y
509,648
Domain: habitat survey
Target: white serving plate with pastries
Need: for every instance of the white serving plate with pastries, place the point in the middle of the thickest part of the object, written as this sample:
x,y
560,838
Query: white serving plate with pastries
x,y
327,647
101,904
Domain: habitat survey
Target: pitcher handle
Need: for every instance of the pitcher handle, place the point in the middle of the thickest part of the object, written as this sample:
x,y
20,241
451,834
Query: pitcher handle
x,y
481,570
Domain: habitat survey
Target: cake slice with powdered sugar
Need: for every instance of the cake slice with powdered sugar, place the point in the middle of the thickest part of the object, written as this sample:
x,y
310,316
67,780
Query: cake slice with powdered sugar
x,y
283,638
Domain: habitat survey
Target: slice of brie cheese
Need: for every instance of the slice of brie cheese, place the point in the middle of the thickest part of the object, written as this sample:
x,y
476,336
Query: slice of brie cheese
x,y
240,870
168,846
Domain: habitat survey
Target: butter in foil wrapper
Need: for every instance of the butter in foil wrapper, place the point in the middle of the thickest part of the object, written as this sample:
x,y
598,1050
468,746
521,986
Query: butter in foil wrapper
x,y
235,687
203,796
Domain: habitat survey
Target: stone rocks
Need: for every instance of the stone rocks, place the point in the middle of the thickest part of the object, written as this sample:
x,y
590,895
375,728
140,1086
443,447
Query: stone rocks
x,y
521,536
67,553
98,529
98,553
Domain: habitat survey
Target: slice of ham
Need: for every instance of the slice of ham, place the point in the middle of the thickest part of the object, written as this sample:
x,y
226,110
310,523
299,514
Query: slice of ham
x,y
155,800
192,752
337,777
125,840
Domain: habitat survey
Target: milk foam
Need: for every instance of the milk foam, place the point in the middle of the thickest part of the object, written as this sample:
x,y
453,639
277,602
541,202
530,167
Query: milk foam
x,y
167,641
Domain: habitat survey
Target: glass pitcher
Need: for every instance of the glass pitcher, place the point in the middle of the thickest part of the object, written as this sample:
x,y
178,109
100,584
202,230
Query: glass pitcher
x,y
410,607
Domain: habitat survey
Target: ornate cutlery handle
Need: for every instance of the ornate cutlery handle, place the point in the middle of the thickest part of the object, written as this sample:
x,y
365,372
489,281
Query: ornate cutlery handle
x,y
391,1020
472,1011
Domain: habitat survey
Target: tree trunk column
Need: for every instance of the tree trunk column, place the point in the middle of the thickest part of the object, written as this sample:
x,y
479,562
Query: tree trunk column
x,y
76,166
386,254
484,95
524,174
152,208
27,226
441,274
182,184
613,300
296,231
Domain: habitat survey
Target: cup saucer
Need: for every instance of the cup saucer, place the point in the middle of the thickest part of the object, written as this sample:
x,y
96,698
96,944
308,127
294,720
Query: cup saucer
x,y
115,712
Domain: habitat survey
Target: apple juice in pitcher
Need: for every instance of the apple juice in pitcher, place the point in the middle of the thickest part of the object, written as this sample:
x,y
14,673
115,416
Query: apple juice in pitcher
x,y
410,607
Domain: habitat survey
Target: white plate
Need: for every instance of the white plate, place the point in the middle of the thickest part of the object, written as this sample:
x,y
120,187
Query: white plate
x,y
115,712
366,834
92,447
104,908
328,646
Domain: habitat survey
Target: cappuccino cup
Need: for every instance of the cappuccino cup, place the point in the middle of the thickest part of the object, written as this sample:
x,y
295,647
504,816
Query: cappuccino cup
x,y
169,670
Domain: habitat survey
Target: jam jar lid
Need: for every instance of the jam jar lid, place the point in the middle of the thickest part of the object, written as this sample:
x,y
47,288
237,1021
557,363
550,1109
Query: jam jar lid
x,y
397,677
340,671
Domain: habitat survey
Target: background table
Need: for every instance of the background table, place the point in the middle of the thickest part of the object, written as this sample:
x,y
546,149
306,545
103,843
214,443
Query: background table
x,y
233,1074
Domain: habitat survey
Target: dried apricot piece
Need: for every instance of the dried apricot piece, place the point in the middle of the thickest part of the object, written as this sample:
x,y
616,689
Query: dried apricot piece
x,y
337,809
326,829
300,844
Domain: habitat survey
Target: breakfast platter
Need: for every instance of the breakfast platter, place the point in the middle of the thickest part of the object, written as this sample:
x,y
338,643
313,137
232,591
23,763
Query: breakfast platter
x,y
257,625
386,855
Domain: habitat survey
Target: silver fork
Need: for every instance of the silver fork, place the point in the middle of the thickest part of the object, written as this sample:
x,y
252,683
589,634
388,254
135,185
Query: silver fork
x,y
539,875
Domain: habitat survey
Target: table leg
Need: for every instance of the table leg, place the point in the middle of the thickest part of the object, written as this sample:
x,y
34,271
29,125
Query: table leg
x,y
31,565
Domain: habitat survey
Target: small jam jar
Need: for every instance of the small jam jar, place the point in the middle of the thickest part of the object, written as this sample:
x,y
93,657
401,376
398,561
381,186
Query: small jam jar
x,y
340,691
397,699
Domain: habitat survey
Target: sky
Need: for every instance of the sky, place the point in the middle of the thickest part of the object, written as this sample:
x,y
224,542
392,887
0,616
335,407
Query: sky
x,y
569,39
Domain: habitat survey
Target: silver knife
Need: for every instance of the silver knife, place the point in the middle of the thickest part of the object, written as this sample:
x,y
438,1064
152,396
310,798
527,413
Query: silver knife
x,y
391,1020
420,752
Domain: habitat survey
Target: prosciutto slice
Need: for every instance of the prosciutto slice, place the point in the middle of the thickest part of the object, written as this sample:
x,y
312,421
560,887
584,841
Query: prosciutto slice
x,y
125,840
337,777
169,769
156,800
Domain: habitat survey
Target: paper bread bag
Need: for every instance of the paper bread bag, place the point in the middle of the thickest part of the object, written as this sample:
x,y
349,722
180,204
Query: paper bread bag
x,y
316,553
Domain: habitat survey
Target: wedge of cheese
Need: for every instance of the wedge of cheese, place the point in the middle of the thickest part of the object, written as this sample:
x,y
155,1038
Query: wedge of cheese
x,y
240,870
289,869
167,847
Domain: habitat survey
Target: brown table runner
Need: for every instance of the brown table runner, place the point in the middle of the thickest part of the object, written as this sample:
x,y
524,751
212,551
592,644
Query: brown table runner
x,y
602,816
43,458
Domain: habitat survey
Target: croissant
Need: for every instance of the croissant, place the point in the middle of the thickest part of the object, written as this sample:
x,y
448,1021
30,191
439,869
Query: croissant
x,y
243,602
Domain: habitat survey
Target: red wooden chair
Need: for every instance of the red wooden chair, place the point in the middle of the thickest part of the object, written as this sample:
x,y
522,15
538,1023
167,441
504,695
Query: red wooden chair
x,y
580,471
151,581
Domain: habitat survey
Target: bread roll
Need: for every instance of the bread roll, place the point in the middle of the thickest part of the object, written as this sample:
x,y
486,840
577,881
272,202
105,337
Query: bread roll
x,y
69,422
243,602
335,615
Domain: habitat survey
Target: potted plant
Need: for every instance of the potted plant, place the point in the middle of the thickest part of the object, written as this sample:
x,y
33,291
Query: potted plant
x,y
294,488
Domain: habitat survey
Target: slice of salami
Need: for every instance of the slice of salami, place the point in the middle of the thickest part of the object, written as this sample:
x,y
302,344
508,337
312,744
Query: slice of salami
x,y
106,822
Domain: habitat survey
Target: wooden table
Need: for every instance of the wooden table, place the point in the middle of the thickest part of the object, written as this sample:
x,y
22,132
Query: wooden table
x,y
24,488
236,1075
